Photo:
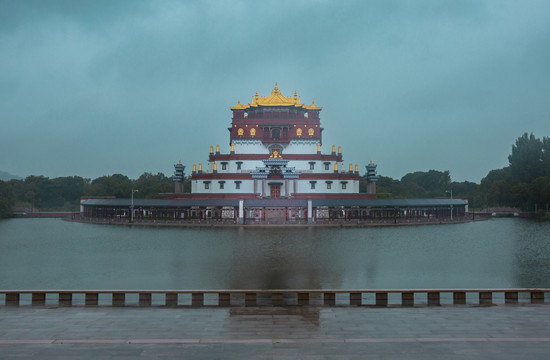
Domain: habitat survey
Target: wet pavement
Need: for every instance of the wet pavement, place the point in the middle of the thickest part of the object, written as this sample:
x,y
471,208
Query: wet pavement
x,y
446,332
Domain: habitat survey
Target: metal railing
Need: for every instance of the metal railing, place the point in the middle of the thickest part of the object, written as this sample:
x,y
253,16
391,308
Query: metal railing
x,y
276,297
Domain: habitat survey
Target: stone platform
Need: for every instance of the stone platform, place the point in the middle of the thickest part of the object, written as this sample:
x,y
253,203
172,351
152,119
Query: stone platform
x,y
441,332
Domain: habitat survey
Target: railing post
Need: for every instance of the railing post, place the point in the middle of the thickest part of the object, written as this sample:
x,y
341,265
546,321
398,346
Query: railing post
x,y
459,297
145,299
485,298
355,298
329,298
12,299
119,299
171,299
224,299
197,299
381,299
537,297
510,297
277,299
39,298
303,298
407,299
65,299
91,299
434,298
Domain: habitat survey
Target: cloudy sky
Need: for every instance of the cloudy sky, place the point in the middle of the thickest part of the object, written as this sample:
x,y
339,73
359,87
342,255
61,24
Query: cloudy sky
x,y
93,88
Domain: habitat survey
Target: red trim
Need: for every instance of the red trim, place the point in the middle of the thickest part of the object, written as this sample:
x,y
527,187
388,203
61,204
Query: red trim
x,y
334,196
247,176
233,157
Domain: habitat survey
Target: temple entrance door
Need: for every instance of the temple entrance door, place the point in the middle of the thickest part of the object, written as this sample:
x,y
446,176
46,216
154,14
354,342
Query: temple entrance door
x,y
275,191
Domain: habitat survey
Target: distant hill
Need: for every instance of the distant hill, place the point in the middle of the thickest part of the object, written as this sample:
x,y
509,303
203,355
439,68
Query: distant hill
x,y
5,176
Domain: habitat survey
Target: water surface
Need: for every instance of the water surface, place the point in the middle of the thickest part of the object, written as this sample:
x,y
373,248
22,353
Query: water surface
x,y
55,254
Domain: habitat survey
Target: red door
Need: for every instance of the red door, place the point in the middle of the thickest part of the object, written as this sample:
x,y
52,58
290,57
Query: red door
x,y
275,191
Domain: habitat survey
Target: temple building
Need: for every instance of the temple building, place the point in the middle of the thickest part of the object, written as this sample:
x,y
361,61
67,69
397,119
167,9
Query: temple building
x,y
274,171
275,152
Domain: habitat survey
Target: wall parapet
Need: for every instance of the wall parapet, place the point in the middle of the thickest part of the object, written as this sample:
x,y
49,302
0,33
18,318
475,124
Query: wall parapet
x,y
275,297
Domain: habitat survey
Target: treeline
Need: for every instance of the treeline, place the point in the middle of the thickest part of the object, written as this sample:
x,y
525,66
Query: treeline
x,y
63,193
524,183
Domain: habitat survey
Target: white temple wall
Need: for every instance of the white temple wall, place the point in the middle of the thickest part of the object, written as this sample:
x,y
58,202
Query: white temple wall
x,y
304,166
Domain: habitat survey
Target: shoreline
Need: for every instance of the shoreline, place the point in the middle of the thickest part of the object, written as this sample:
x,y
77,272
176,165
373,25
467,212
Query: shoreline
x,y
332,224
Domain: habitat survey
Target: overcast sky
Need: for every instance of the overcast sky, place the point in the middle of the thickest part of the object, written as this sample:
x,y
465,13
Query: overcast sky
x,y
93,88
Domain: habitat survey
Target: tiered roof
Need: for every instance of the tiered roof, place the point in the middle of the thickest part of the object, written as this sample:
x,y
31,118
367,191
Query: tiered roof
x,y
276,98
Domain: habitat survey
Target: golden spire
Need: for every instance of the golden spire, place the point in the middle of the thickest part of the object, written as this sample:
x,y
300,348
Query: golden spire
x,y
276,88
333,149
194,167
335,166
215,166
232,147
200,167
371,161
179,162
339,150
318,148
211,149
217,149
295,94
356,168
350,167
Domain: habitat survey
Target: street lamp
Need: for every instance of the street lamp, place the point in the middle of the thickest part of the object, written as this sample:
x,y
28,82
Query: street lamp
x,y
132,206
451,192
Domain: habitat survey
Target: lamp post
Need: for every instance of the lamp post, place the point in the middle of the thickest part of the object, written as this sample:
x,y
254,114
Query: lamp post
x,y
451,192
132,206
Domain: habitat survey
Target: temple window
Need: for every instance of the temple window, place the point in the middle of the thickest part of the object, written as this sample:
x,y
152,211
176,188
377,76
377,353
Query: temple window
x,y
240,131
276,115
344,185
312,165
327,166
239,164
312,183
207,185
329,185
222,184
311,132
224,166
299,132
284,115
237,185
276,134
252,132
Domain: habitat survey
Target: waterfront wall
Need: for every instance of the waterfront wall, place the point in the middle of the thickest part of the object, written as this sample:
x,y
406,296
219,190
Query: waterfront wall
x,y
276,297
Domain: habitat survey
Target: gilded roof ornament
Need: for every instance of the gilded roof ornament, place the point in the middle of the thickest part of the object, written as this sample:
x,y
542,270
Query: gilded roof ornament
x,y
276,98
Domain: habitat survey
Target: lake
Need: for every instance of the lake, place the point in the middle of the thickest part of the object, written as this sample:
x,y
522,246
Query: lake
x,y
56,254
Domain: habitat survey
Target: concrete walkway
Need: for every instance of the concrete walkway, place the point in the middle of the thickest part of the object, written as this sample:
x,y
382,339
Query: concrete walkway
x,y
446,332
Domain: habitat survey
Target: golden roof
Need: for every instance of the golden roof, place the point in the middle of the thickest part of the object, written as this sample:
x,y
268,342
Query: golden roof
x,y
275,99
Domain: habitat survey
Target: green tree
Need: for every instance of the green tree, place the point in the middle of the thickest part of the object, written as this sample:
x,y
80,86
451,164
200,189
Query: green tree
x,y
526,159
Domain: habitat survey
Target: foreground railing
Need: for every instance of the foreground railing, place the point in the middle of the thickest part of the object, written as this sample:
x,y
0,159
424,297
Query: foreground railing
x,y
224,298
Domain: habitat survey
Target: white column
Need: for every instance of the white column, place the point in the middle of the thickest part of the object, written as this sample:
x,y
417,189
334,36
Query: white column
x,y
241,211
309,211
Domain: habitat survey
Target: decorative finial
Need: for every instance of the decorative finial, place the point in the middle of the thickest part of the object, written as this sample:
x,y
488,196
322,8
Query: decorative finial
x,y
371,161
295,94
179,162
217,149
211,149
276,88
350,167
232,147
194,167
335,167
200,167
318,148
215,166
257,93
356,168
339,150
333,149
